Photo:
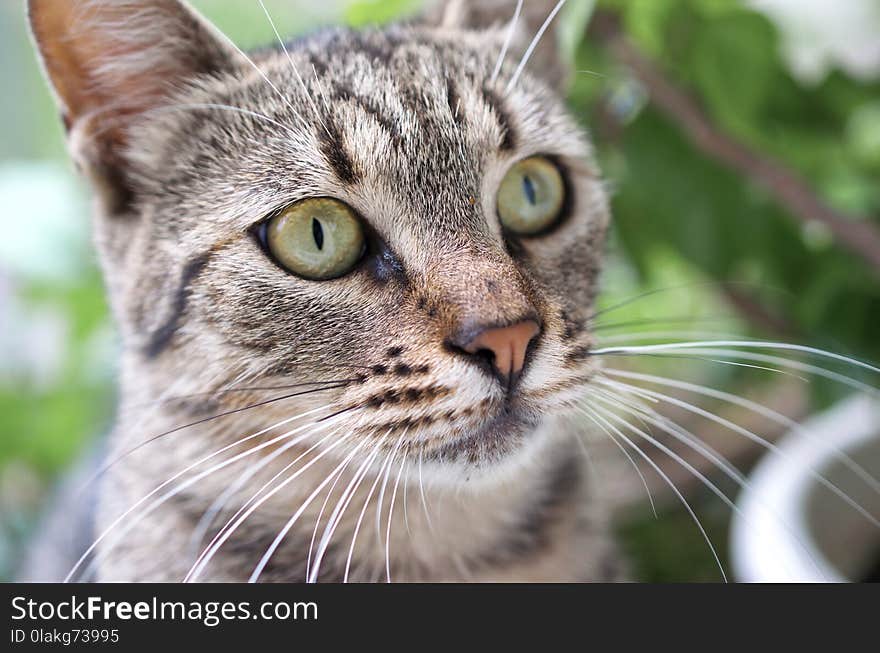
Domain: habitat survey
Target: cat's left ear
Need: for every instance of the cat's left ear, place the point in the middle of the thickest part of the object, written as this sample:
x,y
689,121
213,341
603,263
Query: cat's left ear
x,y
548,60
111,61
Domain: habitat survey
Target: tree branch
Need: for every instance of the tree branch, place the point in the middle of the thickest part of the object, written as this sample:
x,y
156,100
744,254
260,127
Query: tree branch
x,y
859,235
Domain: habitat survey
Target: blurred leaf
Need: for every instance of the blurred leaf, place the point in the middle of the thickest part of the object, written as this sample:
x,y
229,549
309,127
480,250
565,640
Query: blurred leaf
x,y
734,67
375,12
573,23
863,134
671,548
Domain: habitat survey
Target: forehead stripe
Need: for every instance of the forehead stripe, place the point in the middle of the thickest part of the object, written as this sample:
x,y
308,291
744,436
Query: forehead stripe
x,y
453,99
495,103
333,149
342,93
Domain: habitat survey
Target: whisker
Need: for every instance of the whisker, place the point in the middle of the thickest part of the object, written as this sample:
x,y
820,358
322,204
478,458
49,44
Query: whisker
x,y
206,555
651,417
294,68
217,506
183,486
636,337
634,465
405,517
321,90
363,512
424,500
594,413
197,106
285,448
254,502
591,466
238,389
760,368
683,286
757,408
695,444
747,344
511,30
706,355
591,72
204,560
528,54
341,507
723,464
114,121
104,468
259,70
390,517
695,355
321,514
776,360
685,319
381,500
261,565
751,436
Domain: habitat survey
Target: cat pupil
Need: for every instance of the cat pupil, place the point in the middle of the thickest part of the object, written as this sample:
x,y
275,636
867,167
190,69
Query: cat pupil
x,y
318,233
529,188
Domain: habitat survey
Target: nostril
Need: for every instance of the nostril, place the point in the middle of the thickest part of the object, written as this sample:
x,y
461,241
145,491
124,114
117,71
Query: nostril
x,y
483,356
503,348
486,355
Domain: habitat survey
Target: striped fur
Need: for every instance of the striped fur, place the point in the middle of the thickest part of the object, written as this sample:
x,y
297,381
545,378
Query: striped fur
x,y
190,144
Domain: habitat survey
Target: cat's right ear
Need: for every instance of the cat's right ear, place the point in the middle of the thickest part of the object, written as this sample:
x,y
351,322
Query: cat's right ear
x,y
529,17
109,62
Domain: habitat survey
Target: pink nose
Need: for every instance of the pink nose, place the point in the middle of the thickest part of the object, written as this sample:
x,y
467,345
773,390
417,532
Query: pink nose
x,y
507,345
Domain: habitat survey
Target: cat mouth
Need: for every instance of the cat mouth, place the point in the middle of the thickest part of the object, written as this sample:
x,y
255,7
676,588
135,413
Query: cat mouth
x,y
499,434
510,421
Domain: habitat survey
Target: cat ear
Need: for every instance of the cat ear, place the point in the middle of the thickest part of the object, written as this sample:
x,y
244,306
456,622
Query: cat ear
x,y
547,60
109,61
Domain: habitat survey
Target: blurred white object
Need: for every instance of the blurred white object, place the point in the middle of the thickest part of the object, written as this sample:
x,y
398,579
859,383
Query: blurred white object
x,y
33,340
818,35
45,242
46,235
793,529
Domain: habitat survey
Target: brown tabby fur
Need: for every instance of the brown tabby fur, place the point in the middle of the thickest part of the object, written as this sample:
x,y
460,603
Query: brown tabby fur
x,y
404,124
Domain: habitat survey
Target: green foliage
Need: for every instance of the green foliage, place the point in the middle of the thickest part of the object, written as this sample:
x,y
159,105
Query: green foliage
x,y
671,197
374,12
671,549
46,424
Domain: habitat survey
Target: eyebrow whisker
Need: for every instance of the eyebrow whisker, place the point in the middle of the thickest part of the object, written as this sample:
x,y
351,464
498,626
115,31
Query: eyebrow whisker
x,y
507,40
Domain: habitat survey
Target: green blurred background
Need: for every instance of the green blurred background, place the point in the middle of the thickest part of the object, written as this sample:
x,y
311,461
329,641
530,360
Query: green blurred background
x,y
672,92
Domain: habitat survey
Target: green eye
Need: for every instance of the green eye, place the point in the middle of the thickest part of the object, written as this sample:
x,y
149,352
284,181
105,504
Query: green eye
x,y
316,238
531,196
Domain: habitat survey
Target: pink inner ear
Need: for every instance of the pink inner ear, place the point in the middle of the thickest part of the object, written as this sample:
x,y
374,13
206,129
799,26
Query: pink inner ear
x,y
111,60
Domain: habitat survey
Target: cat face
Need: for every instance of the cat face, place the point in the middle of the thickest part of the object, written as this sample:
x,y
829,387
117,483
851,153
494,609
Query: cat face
x,y
378,214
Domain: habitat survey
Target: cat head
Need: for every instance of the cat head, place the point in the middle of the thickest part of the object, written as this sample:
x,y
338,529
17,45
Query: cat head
x,y
404,223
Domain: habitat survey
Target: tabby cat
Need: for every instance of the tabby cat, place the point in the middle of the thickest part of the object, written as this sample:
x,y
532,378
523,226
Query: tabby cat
x,y
353,277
